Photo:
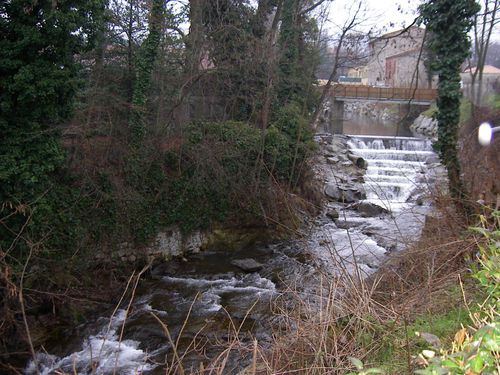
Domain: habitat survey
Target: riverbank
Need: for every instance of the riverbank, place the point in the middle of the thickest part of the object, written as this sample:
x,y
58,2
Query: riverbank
x,y
422,309
175,198
211,291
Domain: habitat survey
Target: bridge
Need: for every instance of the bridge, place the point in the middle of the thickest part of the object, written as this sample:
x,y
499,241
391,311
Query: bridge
x,y
340,93
402,95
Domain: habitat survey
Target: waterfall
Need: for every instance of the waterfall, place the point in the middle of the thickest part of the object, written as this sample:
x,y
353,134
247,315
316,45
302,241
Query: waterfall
x,y
397,168
358,237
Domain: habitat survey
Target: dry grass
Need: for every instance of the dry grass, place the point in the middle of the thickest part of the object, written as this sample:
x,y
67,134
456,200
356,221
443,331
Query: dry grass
x,y
318,336
347,316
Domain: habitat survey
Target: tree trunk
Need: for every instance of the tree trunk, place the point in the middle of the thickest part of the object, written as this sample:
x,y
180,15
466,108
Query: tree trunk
x,y
271,67
345,30
130,52
143,71
326,89
194,43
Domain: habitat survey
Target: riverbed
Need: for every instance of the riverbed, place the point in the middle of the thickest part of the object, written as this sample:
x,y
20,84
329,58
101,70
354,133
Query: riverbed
x,y
189,310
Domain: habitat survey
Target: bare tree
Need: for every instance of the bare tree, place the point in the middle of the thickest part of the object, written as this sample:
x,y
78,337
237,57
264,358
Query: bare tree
x,y
271,59
484,24
348,27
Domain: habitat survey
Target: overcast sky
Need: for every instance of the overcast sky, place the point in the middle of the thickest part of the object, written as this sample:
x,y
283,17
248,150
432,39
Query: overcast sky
x,y
381,15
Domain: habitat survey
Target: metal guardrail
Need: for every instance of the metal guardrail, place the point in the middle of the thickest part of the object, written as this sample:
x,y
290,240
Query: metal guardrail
x,y
382,93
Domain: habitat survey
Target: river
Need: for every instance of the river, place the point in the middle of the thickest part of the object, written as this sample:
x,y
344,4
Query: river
x,y
206,301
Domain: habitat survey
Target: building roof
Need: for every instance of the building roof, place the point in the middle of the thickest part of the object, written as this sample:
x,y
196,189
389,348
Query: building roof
x,y
488,69
399,32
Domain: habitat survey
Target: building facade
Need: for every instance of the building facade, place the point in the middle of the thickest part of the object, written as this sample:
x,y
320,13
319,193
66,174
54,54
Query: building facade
x,y
397,60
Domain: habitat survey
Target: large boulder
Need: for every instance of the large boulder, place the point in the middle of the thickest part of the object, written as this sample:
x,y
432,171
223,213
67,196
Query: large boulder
x,y
344,194
247,264
332,213
368,209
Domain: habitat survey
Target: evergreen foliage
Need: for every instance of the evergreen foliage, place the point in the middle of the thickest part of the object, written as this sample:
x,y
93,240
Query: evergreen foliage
x,y
159,129
448,23
38,81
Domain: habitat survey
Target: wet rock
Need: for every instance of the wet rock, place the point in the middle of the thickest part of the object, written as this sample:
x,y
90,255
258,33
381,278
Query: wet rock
x,y
332,213
247,264
333,192
372,258
368,209
425,126
331,150
343,194
164,268
348,224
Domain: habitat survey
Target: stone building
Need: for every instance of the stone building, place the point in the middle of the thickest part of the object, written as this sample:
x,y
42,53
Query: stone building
x,y
359,72
394,59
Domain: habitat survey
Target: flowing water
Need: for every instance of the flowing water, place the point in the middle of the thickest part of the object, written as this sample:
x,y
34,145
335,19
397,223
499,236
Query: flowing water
x,y
397,168
199,299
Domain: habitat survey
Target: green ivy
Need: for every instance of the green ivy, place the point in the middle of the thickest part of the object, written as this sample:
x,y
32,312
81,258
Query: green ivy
x,y
448,23
144,69
38,82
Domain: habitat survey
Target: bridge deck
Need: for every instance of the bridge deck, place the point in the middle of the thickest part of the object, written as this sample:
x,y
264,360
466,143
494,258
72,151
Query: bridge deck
x,y
398,94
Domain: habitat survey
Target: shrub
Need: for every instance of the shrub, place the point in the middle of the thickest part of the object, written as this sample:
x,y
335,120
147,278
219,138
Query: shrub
x,y
476,351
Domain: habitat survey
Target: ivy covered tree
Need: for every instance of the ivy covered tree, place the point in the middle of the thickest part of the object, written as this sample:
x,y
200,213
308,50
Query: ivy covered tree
x,y
448,23
298,56
144,68
38,81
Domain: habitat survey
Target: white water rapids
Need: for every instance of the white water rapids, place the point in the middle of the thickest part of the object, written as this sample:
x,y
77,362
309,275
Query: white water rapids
x,y
397,168
400,172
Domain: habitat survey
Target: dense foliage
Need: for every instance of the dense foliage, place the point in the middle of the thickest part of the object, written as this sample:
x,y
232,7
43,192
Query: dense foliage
x,y
226,172
145,72
38,82
116,122
448,23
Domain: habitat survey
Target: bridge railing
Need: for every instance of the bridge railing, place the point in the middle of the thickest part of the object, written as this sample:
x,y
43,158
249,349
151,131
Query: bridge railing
x,y
382,93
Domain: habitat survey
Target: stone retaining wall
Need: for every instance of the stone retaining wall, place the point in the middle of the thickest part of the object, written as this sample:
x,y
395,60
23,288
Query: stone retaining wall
x,y
167,244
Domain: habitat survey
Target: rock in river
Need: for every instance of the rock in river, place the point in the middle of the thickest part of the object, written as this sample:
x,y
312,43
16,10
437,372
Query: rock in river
x,y
247,264
368,209
332,213
343,194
